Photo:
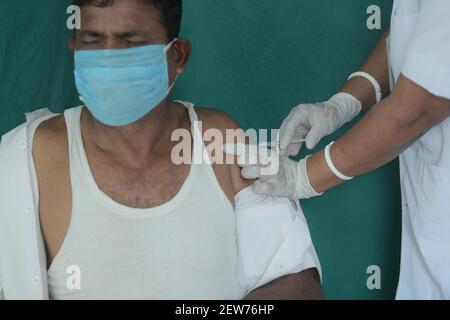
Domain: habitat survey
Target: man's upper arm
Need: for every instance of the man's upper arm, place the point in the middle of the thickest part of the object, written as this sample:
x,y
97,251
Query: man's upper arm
x,y
278,235
304,285
231,133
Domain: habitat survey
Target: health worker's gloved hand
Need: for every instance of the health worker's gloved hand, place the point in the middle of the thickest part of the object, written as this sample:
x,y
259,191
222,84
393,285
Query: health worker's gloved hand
x,y
277,175
315,121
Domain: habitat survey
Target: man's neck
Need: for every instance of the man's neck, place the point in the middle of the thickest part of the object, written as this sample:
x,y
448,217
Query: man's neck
x,y
135,144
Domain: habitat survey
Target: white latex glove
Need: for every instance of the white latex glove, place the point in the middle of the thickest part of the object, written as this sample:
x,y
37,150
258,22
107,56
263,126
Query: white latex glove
x,y
277,175
315,121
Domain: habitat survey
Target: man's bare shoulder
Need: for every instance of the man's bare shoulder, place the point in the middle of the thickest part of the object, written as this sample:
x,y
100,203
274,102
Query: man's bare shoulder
x,y
215,119
50,140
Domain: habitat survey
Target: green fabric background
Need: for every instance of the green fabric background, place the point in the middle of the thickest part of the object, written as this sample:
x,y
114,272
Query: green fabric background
x,y
254,59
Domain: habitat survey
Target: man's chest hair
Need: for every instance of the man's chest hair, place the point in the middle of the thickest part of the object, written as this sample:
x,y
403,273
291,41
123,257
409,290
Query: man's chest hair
x,y
140,188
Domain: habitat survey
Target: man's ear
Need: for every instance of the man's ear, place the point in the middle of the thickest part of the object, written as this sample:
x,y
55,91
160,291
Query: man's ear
x,y
182,52
71,43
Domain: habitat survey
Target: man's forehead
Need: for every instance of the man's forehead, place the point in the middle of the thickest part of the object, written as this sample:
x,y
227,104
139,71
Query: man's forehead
x,y
119,4
120,18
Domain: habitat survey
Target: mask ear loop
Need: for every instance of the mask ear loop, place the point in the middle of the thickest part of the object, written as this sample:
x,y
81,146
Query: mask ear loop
x,y
173,84
166,49
169,45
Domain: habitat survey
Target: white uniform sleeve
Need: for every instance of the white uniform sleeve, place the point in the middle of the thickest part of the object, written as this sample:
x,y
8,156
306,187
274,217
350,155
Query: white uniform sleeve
x,y
427,61
273,239
2,296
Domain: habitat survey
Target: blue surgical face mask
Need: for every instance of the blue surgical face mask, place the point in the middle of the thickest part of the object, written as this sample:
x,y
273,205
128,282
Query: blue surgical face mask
x,y
121,86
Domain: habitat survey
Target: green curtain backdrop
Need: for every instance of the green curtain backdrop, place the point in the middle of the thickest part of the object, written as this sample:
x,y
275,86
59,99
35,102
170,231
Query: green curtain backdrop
x,y
255,59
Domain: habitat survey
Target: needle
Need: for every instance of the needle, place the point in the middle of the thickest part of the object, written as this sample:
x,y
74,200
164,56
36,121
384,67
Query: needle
x,y
271,144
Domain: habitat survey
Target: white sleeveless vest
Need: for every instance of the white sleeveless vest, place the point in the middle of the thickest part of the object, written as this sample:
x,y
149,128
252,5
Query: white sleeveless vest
x,y
183,249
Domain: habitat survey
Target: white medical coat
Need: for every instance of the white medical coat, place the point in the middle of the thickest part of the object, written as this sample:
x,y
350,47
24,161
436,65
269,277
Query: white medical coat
x,y
23,273
419,48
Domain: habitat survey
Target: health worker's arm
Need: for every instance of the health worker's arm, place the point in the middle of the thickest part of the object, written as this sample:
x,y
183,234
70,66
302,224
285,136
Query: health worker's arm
x,y
314,121
386,131
419,101
378,67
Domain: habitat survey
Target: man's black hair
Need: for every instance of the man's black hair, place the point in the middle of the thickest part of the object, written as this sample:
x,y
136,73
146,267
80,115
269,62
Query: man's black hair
x,y
170,12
